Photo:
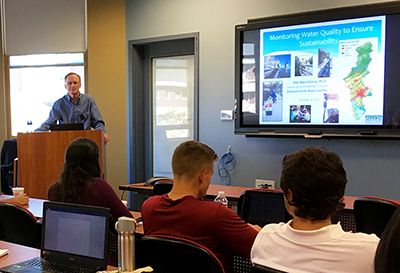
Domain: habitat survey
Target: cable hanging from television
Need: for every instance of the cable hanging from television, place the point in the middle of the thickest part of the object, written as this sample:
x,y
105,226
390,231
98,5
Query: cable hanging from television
x,y
226,164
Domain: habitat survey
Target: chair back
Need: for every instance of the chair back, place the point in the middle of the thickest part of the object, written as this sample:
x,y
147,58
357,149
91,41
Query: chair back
x,y
8,154
263,269
263,207
162,187
372,214
166,254
19,226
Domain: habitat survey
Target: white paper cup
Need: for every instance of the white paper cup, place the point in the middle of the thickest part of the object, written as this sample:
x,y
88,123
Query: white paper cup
x,y
17,191
125,202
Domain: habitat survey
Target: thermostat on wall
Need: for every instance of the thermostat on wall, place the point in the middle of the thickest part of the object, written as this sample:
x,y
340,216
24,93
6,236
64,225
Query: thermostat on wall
x,y
226,114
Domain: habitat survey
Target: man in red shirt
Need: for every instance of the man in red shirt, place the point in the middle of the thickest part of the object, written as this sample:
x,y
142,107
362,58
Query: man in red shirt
x,y
183,213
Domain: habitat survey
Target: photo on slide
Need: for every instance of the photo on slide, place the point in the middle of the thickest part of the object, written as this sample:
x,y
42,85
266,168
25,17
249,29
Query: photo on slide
x,y
300,113
324,63
303,65
272,98
277,66
331,108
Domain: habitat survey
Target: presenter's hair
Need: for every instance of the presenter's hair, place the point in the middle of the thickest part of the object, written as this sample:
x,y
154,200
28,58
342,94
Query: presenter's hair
x,y
317,181
72,73
192,157
81,166
388,251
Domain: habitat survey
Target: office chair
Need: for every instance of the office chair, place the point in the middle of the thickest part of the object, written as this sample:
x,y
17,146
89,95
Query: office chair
x,y
166,254
162,187
262,207
372,214
264,269
19,226
112,248
8,154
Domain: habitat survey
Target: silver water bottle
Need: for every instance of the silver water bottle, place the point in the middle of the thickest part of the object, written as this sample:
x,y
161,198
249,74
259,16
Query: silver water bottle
x,y
126,243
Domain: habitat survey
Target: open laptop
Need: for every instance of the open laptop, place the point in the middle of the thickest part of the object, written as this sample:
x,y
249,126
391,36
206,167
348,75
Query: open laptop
x,y
72,235
66,127
262,207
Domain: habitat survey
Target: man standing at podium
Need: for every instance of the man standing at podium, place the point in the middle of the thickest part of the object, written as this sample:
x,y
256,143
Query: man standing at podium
x,y
75,107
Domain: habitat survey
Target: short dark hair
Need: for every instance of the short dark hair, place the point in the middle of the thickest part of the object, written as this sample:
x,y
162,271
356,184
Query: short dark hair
x,y
317,181
388,251
191,157
72,73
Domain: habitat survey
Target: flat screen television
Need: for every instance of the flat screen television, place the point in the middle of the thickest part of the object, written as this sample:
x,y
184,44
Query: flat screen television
x,y
325,73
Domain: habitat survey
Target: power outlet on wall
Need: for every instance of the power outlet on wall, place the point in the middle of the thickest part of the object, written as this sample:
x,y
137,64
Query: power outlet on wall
x,y
265,184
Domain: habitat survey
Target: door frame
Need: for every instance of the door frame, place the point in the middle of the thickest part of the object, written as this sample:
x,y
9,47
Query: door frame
x,y
139,102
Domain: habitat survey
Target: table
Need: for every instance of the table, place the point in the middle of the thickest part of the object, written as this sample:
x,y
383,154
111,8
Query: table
x,y
35,205
18,253
345,217
139,226
231,192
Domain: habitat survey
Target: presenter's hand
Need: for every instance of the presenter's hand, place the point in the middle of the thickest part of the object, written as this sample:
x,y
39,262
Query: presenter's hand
x,y
106,138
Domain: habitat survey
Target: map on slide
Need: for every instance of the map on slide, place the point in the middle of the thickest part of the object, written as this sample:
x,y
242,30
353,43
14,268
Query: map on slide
x,y
354,80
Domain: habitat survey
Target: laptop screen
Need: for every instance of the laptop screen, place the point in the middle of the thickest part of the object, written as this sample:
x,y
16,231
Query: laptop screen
x,y
263,207
75,233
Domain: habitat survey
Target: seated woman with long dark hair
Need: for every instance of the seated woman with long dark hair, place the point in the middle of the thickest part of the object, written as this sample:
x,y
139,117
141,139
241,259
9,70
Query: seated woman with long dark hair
x,y
81,183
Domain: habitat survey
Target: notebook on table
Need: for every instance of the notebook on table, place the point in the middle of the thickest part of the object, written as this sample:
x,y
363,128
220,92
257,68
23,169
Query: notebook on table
x,y
74,238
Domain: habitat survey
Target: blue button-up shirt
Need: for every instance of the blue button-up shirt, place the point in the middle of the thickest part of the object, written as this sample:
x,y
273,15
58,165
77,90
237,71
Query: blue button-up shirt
x,y
84,111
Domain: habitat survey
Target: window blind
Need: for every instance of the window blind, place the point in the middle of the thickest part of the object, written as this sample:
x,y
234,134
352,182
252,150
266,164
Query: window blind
x,y
44,26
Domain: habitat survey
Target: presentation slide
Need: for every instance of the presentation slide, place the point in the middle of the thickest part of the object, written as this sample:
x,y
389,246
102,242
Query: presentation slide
x,y
323,73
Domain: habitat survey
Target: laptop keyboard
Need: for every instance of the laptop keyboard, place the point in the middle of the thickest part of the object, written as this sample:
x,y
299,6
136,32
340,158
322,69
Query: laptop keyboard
x,y
54,267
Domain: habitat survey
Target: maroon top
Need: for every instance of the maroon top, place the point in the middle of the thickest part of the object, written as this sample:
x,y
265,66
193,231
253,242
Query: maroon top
x,y
208,223
101,195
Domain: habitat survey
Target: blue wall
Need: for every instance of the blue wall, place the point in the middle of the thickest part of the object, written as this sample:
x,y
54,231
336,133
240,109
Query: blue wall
x,y
370,164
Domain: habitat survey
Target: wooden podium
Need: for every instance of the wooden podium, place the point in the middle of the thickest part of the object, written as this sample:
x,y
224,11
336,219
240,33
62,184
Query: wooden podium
x,y
41,158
